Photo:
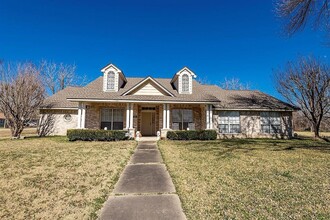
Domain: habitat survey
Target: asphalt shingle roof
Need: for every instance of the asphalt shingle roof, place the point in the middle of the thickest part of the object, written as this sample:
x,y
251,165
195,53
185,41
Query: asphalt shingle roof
x,y
221,99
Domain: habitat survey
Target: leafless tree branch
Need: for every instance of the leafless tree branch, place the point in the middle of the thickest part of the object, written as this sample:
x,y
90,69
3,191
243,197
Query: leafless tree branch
x,y
21,94
306,84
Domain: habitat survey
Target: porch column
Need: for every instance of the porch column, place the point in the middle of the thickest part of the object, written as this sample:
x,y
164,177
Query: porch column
x,y
168,116
128,115
83,115
211,116
79,115
164,116
131,116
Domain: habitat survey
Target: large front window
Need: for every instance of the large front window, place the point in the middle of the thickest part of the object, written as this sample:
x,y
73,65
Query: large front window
x,y
182,119
229,122
112,119
270,122
111,81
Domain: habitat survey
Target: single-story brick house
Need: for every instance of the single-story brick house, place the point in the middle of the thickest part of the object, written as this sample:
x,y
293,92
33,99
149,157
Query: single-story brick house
x,y
148,105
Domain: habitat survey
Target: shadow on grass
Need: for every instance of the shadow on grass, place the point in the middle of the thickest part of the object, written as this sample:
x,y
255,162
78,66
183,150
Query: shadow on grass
x,y
222,147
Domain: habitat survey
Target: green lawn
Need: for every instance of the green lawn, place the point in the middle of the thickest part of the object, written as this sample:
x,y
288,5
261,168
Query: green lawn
x,y
251,179
51,178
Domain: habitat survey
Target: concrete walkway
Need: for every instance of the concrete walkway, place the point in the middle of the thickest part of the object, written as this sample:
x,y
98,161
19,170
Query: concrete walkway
x,y
145,189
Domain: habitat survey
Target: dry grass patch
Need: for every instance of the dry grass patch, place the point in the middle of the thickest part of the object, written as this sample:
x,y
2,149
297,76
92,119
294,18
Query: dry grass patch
x,y
251,179
5,132
51,178
309,134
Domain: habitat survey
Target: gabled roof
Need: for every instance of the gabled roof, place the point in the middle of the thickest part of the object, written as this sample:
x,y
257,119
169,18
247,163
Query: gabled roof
x,y
149,78
182,70
110,65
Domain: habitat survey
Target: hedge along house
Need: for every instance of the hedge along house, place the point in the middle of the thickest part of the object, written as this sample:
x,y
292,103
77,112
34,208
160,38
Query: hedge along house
x,y
148,105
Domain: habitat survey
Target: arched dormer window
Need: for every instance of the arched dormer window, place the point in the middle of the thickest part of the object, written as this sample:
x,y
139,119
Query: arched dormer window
x,y
111,81
185,83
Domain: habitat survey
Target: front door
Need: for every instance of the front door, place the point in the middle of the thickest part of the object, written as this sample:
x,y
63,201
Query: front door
x,y
147,127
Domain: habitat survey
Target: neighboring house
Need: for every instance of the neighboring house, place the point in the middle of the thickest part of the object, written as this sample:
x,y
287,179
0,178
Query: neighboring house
x,y
2,120
115,102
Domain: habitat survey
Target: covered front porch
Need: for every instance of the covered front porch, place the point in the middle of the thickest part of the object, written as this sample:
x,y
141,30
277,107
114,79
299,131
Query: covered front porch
x,y
147,118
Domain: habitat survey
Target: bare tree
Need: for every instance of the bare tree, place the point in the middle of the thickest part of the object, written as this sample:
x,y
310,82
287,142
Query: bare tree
x,y
21,94
306,84
234,84
46,124
297,13
58,76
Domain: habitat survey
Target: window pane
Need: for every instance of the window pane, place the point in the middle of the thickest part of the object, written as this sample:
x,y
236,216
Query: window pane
x,y
111,80
106,115
185,83
176,115
106,124
118,126
275,129
187,115
265,129
224,128
118,115
234,128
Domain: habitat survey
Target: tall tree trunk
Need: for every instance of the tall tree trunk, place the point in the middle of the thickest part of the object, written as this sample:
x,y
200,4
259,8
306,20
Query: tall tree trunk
x,y
316,128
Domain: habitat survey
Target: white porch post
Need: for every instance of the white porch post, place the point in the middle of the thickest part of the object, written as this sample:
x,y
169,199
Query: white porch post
x,y
128,115
211,116
131,116
164,116
168,116
207,117
79,114
83,115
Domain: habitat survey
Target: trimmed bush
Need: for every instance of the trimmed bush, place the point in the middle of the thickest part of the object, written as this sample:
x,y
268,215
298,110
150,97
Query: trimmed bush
x,y
192,135
96,135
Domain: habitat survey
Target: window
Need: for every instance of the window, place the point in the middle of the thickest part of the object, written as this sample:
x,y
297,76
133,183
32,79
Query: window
x,y
2,123
67,117
270,122
229,122
185,83
182,119
111,80
112,119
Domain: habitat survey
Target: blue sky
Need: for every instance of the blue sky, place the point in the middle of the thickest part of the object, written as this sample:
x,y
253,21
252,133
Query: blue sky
x,y
216,39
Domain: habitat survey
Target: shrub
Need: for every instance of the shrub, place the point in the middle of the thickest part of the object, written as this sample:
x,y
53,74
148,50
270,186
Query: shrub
x,y
96,135
192,135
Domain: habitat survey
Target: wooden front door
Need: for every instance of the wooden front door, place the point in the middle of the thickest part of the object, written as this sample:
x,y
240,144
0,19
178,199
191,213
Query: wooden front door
x,y
148,125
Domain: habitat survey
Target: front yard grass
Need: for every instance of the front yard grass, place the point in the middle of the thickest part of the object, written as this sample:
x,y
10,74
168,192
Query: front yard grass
x,y
251,179
52,178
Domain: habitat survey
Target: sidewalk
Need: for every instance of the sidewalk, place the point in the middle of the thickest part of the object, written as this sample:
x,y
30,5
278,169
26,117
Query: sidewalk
x,y
144,189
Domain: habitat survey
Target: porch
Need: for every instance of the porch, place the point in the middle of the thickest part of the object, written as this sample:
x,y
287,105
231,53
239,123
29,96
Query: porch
x,y
146,118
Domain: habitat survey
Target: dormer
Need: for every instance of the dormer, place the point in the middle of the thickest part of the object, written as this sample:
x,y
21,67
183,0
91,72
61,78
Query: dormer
x,y
113,78
182,81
